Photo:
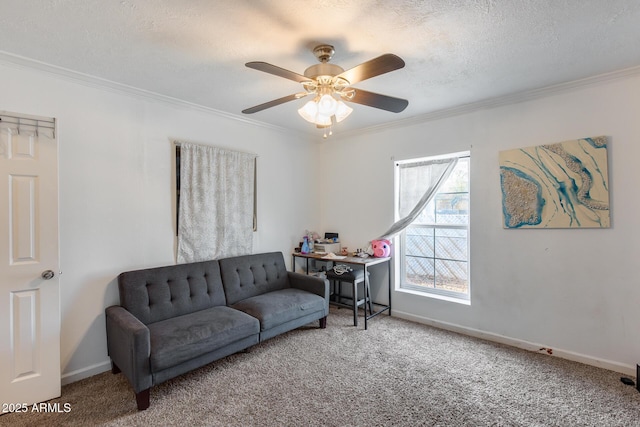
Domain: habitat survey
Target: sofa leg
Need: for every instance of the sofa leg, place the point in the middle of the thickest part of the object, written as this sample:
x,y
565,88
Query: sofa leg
x,y
114,368
323,322
142,399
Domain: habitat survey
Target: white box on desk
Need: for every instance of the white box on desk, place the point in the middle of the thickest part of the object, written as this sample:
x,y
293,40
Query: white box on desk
x,y
327,247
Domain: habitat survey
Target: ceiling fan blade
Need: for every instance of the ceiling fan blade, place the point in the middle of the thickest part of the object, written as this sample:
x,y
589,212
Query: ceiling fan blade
x,y
277,71
375,67
274,103
376,100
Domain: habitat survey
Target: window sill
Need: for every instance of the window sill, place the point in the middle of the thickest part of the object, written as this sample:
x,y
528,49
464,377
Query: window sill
x,y
463,301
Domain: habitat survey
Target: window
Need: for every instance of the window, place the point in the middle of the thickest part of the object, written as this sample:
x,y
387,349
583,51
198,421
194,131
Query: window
x,y
434,248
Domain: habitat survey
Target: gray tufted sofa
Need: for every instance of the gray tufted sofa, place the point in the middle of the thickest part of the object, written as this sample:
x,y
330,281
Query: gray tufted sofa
x,y
174,319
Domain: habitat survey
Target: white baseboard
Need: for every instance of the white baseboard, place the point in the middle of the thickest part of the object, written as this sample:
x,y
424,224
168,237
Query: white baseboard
x,y
525,345
89,371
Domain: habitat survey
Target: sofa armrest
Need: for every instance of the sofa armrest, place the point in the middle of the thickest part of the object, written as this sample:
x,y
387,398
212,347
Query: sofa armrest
x,y
313,284
129,346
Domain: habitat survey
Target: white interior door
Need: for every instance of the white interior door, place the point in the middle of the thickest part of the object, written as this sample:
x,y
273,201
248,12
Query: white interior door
x,y
29,262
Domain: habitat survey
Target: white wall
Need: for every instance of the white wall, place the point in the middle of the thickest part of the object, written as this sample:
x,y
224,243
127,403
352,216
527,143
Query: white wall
x,y
572,290
575,291
116,190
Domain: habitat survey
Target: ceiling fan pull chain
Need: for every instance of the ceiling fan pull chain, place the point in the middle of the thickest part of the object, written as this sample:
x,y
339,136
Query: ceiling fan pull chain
x,y
330,127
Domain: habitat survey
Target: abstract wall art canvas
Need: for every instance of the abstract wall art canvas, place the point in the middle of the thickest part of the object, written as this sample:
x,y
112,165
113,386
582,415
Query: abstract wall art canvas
x,y
561,185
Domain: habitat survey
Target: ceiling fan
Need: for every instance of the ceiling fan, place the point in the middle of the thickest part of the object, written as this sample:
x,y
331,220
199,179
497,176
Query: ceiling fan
x,y
330,84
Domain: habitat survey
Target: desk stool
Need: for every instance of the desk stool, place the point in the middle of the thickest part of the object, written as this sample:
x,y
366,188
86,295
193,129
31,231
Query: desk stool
x,y
354,278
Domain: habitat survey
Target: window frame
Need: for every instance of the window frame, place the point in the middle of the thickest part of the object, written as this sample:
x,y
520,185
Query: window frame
x,y
401,284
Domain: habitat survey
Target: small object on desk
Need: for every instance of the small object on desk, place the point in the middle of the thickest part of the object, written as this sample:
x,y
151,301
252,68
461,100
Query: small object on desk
x,y
332,236
305,246
331,255
381,248
362,254
344,251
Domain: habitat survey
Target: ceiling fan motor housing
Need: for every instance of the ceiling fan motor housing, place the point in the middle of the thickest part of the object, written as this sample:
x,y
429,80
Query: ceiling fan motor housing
x,y
323,69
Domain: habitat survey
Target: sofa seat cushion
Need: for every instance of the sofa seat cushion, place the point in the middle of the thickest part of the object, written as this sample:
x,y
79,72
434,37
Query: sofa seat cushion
x,y
278,307
181,338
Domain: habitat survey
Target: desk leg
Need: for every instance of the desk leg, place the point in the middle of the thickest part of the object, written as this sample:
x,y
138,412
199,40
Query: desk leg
x,y
389,274
366,283
355,306
293,263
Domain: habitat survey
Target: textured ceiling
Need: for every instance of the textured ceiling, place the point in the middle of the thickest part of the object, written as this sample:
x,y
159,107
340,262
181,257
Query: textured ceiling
x,y
456,51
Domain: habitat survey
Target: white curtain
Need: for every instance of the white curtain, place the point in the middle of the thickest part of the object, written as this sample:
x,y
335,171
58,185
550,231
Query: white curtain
x,y
216,212
419,182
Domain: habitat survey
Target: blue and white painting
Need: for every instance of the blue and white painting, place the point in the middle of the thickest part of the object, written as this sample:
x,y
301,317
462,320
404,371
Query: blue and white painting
x,y
562,185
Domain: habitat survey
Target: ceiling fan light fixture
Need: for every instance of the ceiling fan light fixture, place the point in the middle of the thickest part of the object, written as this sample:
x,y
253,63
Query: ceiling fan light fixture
x,y
343,111
322,120
309,111
327,105
320,111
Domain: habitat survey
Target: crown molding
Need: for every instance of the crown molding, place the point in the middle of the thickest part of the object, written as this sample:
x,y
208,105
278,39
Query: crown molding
x,y
94,82
500,101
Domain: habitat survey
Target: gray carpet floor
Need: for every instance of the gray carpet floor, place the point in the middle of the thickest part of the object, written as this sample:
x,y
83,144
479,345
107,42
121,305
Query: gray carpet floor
x,y
397,373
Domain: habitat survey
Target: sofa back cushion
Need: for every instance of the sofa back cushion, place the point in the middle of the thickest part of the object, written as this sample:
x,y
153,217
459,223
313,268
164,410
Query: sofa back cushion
x,y
160,293
250,275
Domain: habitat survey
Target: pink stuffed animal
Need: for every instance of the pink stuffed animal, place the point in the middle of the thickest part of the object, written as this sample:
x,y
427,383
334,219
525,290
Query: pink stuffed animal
x,y
381,248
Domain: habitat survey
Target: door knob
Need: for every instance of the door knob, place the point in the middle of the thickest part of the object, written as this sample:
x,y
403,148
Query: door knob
x,y
47,274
